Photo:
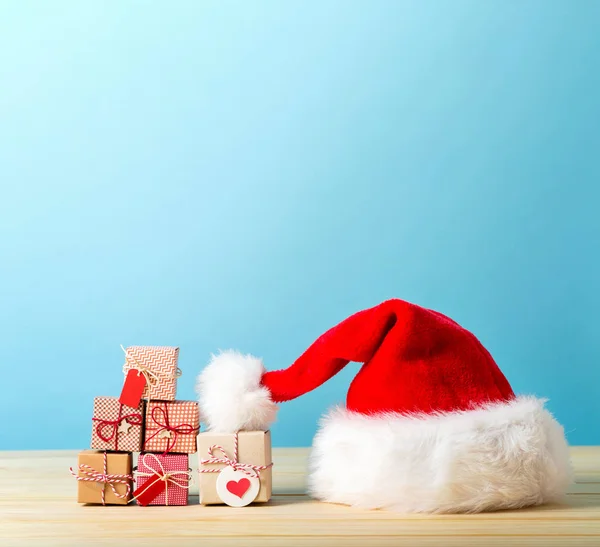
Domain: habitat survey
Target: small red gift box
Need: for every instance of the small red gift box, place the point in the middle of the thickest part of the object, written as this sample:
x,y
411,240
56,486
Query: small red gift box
x,y
116,426
171,426
162,479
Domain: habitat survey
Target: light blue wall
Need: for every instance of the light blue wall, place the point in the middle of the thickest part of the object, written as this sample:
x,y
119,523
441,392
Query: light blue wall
x,y
246,174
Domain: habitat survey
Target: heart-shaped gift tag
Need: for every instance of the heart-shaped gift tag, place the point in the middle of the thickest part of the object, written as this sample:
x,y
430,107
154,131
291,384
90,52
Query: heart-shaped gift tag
x,y
236,488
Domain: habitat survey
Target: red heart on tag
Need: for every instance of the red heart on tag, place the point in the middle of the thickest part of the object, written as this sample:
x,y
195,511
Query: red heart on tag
x,y
238,488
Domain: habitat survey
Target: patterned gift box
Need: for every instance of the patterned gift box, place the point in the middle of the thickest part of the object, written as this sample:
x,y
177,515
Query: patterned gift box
x,y
171,470
171,426
159,366
116,426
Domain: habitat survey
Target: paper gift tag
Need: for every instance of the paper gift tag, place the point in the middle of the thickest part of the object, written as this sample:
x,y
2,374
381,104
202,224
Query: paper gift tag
x,y
235,488
150,490
133,388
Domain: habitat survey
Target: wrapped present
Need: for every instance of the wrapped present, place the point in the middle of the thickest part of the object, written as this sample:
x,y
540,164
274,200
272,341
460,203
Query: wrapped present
x,y
103,478
162,479
116,426
150,373
235,469
171,426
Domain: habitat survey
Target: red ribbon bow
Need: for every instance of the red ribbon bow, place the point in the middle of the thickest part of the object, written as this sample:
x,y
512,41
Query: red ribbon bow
x,y
164,425
134,418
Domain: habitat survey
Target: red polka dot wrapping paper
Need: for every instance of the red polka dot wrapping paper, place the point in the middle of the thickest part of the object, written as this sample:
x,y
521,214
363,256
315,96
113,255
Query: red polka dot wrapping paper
x,y
171,426
122,425
161,360
173,494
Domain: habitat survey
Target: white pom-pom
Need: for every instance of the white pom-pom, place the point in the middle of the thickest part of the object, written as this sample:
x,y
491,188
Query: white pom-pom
x,y
231,396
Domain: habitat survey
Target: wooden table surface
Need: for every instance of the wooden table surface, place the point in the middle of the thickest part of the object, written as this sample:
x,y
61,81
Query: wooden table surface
x,y
37,507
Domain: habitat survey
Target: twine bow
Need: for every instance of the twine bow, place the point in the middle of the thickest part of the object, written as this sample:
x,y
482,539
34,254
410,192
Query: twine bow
x,y
166,430
162,475
135,418
249,469
92,475
152,376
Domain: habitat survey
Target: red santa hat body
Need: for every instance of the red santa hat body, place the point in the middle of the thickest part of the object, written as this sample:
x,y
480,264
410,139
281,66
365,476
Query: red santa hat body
x,y
430,424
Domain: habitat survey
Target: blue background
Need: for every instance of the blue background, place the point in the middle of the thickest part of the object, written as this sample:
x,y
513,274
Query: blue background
x,y
247,174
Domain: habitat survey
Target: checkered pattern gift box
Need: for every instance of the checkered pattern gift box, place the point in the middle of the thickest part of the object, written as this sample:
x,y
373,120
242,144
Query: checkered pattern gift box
x,y
171,426
162,479
158,364
116,426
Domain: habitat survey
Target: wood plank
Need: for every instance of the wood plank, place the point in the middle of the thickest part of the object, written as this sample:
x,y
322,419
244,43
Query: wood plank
x,y
37,505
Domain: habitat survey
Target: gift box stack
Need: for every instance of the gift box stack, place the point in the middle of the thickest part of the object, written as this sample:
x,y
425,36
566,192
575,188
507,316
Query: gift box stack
x,y
146,418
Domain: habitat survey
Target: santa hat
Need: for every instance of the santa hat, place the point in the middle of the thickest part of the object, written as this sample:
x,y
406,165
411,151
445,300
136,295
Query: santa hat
x,y
430,424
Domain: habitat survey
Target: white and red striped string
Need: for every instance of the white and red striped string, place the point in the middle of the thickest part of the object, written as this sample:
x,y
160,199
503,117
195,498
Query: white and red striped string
x,y
89,474
247,468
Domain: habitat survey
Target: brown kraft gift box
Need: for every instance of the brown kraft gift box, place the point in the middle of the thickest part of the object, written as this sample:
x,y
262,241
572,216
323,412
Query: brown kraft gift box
x,y
118,463
254,447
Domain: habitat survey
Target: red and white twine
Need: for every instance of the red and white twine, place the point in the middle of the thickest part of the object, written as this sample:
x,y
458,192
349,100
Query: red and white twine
x,y
89,474
247,468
